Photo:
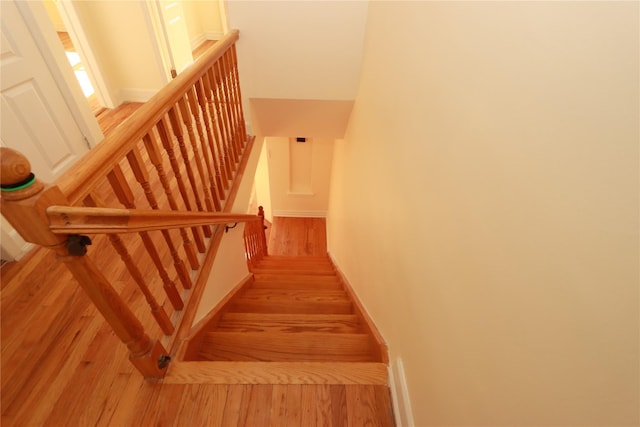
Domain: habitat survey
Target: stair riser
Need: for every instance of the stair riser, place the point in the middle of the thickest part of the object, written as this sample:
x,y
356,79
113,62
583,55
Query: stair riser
x,y
291,307
294,271
328,286
264,277
287,347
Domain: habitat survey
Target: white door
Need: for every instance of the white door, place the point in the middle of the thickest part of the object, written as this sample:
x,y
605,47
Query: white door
x,y
34,116
176,34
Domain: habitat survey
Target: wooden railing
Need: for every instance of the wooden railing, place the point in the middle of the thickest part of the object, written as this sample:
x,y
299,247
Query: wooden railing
x,y
163,178
255,240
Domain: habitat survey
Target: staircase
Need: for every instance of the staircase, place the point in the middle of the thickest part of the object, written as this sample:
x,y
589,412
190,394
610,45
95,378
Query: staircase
x,y
294,322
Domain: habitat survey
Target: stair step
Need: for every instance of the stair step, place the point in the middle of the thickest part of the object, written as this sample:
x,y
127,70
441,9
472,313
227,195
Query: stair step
x,y
290,323
286,264
296,258
296,284
309,271
266,277
291,301
207,372
280,347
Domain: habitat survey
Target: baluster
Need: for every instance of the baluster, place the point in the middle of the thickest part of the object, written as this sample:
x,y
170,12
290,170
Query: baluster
x,y
210,90
202,100
218,96
153,151
177,131
212,197
224,105
167,143
141,175
236,75
188,123
123,192
157,310
25,209
231,101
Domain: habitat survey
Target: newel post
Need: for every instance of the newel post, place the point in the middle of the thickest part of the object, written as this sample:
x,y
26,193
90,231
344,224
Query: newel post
x,y
24,203
263,234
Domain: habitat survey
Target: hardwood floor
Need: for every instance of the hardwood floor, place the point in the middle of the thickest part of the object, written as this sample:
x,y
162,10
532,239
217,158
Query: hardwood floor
x,y
298,237
61,364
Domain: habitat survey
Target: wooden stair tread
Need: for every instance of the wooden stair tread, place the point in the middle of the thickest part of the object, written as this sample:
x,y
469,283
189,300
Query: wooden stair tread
x,y
291,306
300,293
289,323
263,277
294,284
294,271
209,372
296,258
300,347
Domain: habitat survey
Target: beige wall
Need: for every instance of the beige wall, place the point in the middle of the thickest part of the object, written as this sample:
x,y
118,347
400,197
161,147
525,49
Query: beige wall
x,y
284,202
203,20
485,207
262,186
230,265
299,51
54,15
122,40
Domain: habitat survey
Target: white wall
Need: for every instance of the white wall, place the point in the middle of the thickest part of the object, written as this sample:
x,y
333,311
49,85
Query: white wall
x,y
230,265
485,207
54,15
299,50
262,186
312,203
122,40
203,20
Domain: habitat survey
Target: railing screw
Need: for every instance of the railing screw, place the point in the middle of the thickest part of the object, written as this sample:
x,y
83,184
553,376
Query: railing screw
x,y
163,361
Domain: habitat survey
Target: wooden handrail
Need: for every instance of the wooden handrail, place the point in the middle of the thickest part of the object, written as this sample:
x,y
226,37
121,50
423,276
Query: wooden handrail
x,y
77,220
77,182
181,154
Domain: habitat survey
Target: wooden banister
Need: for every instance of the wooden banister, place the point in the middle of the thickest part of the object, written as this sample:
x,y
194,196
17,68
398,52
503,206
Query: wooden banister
x,y
78,181
175,166
24,203
255,240
76,220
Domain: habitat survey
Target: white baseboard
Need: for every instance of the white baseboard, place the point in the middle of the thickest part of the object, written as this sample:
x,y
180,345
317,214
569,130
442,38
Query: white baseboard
x,y
301,214
213,35
135,95
400,395
195,42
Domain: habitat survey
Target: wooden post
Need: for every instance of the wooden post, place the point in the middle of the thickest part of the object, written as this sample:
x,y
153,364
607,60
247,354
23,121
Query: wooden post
x,y
263,233
24,203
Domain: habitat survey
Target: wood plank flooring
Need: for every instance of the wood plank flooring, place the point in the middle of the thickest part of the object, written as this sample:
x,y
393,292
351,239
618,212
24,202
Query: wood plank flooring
x,y
61,364
298,237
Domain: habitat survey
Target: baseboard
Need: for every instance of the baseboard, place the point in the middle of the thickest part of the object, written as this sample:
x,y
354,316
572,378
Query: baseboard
x,y
197,41
400,395
213,35
135,95
301,214
365,318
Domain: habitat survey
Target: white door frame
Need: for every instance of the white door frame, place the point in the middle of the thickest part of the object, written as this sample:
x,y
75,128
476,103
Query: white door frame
x,y
73,24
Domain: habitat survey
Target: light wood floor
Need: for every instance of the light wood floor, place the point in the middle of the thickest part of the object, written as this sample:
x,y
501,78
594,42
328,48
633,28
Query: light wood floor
x,y
298,237
61,364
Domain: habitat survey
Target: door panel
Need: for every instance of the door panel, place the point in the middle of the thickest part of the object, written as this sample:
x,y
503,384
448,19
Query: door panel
x,y
176,33
35,117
